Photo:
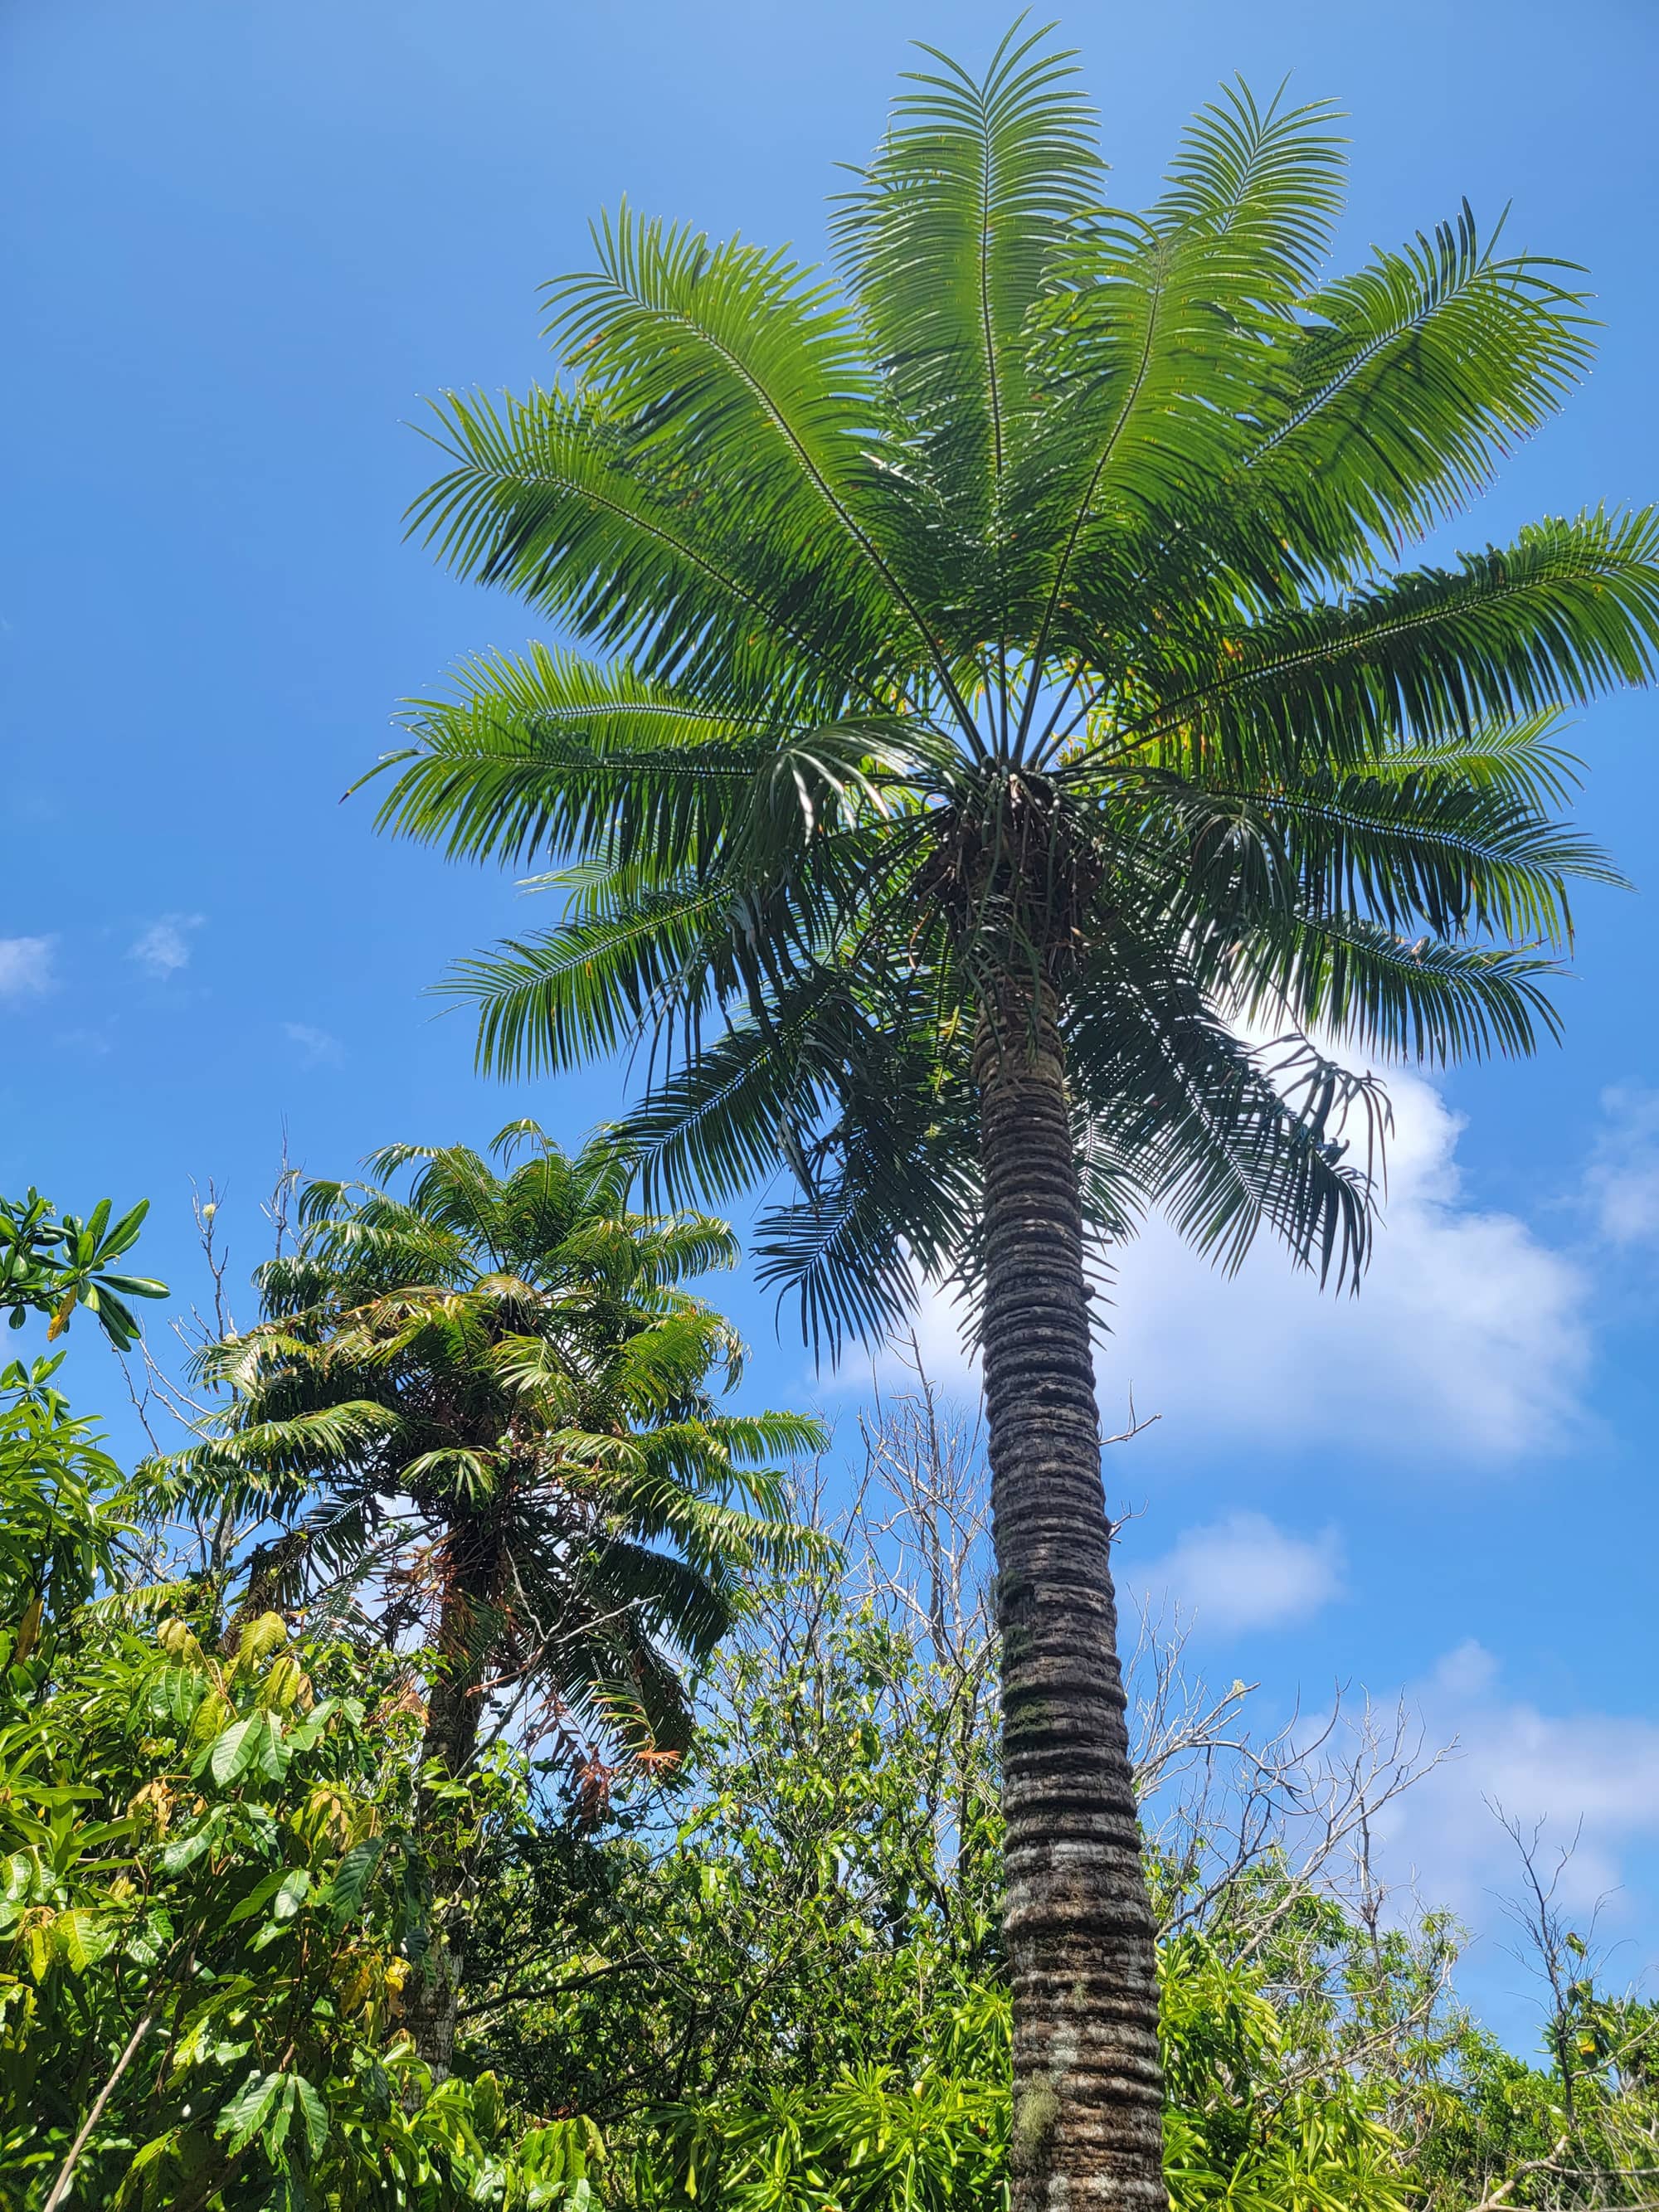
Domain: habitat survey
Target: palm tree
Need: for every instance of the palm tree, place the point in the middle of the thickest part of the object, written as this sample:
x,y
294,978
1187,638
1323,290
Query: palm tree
x,y
1008,708
503,1395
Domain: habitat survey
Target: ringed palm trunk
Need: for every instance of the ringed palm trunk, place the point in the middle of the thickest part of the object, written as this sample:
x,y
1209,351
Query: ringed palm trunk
x,y
452,1735
1087,2123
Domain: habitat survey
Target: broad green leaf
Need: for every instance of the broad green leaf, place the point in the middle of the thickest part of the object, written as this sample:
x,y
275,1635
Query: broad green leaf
x,y
83,1937
248,2110
234,1750
292,1894
183,1850
352,1876
313,2114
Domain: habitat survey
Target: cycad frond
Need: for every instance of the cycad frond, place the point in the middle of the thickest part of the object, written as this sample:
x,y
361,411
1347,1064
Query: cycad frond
x,y
750,373
1199,1127
1269,181
1411,380
1571,609
544,500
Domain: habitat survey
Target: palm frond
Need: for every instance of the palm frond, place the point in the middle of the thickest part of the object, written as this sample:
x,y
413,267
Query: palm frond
x,y
1410,382
547,499
1211,1131
1026,618
748,370
948,240
1572,608
1268,181
1358,981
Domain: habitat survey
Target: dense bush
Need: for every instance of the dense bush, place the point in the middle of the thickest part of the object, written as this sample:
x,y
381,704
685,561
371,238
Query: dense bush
x,y
764,1972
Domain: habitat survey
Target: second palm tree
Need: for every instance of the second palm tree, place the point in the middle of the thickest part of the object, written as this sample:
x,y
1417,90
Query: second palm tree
x,y
483,1410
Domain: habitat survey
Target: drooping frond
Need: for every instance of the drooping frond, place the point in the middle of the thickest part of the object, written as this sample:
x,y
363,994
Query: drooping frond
x,y
891,1182
729,1117
1199,1127
1403,847
1420,999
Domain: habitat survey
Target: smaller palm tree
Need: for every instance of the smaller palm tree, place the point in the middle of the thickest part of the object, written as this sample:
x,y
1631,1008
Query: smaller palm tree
x,y
484,1412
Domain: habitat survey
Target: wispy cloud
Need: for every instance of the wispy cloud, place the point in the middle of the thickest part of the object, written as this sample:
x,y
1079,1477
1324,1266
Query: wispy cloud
x,y
26,966
164,948
95,1042
1245,1572
1622,1181
316,1047
1593,1775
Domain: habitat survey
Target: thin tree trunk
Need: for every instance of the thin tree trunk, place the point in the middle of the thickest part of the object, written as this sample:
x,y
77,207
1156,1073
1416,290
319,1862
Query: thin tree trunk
x,y
1087,2119
60,2188
450,1738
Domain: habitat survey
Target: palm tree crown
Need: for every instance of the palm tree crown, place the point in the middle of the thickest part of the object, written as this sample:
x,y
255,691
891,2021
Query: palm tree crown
x,y
1020,620
486,1407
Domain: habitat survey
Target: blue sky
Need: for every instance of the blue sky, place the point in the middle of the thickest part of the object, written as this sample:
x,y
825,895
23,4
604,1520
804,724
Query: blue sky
x,y
242,242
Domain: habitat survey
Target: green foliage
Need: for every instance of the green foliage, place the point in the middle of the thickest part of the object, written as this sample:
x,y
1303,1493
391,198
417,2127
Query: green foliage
x,y
486,1406
211,1893
49,1266
780,1982
768,1973
1021,613
793,1994
208,1865
1243,2124
874,2137
812,1893
61,1522
770,1976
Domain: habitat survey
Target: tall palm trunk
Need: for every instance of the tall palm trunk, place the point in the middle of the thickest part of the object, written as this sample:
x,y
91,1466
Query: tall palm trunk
x,y
452,1735
1087,2087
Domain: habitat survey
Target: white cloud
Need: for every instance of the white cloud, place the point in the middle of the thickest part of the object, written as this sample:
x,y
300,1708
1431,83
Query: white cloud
x,y
1599,1768
1244,1572
1469,1340
164,948
1622,1181
25,966
316,1046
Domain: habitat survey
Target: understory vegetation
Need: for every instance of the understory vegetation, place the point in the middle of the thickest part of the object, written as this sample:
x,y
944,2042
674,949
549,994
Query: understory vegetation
x,y
761,1968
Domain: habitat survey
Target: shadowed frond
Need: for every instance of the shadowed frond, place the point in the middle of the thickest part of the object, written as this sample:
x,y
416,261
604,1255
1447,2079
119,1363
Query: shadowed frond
x,y
1360,983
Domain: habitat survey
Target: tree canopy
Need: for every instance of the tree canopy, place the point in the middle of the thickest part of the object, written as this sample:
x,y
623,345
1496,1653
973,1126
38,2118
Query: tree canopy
x,y
1025,599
